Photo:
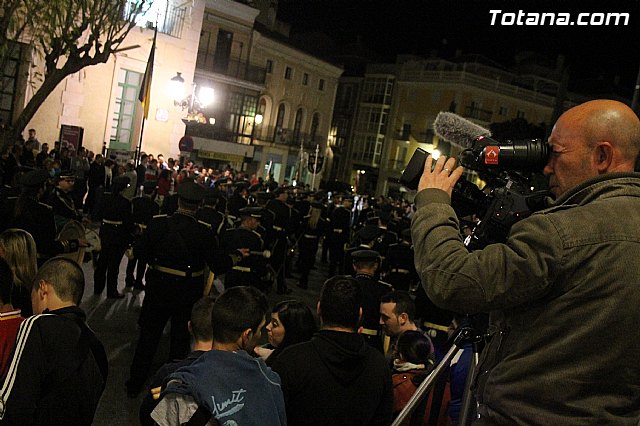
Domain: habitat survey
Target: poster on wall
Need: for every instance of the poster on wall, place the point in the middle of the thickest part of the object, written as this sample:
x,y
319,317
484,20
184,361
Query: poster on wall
x,y
71,137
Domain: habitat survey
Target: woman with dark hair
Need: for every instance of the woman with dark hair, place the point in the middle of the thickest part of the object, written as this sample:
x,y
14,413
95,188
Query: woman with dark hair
x,y
291,322
410,367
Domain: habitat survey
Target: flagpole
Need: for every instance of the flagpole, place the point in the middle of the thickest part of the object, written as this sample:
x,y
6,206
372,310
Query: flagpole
x,y
315,169
145,92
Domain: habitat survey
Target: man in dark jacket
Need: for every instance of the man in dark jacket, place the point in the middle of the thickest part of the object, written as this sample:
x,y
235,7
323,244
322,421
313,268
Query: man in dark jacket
x,y
59,367
563,290
336,378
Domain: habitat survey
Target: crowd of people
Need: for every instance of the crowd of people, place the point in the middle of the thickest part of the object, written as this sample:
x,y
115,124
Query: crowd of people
x,y
379,333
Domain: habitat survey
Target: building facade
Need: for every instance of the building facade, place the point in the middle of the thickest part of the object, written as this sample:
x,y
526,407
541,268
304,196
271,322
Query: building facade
x,y
247,99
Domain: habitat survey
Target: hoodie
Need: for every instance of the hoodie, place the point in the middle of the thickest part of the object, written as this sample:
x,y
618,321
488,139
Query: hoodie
x,y
335,378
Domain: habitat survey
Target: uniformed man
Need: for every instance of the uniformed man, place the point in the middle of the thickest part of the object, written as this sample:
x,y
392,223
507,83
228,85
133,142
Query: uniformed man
x,y
386,237
209,212
363,240
365,264
176,248
37,218
238,200
252,270
116,232
339,234
398,267
61,200
144,208
312,230
282,227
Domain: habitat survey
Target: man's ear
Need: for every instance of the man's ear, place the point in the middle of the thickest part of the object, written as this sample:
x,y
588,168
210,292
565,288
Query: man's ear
x,y
318,311
603,156
403,318
245,337
190,327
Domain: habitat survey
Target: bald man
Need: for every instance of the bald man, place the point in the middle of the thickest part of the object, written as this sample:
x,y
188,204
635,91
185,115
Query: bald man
x,y
564,291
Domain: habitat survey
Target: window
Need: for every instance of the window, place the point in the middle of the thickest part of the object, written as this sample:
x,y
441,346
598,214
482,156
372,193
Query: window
x,y
269,66
297,124
222,54
315,123
279,134
288,72
125,111
9,79
520,114
305,79
503,110
321,84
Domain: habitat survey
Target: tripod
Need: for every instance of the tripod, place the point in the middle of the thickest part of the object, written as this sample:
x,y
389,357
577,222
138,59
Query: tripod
x,y
464,334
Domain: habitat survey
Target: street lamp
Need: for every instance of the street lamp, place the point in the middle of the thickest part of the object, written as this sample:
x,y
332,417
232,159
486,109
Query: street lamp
x,y
204,97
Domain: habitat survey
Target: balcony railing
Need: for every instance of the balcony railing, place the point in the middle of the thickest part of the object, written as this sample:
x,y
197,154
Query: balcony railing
x,y
288,137
240,70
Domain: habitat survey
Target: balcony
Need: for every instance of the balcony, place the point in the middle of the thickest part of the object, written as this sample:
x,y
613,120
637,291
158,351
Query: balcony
x,y
287,137
237,69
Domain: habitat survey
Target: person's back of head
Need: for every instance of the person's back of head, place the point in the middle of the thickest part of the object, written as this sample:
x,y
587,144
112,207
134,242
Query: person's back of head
x,y
236,311
65,277
404,303
341,302
19,249
414,347
200,322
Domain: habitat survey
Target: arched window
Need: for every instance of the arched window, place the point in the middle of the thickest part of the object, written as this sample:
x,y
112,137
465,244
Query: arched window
x,y
297,125
315,122
279,131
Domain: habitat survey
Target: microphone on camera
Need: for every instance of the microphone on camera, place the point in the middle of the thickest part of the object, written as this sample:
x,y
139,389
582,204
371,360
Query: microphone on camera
x,y
457,130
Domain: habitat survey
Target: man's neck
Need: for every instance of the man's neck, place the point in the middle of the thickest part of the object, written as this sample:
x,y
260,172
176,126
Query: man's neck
x,y
338,328
410,326
199,345
226,347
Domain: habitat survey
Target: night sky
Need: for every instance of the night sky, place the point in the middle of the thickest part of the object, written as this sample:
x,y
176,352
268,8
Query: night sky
x,y
422,26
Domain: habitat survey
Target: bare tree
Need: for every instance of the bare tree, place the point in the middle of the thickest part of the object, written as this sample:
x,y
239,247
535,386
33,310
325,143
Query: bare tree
x,y
67,36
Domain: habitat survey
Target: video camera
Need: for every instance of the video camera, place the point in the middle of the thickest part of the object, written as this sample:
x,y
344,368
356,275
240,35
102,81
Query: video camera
x,y
508,197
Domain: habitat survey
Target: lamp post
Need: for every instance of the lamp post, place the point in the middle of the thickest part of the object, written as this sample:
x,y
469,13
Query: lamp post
x,y
257,120
197,100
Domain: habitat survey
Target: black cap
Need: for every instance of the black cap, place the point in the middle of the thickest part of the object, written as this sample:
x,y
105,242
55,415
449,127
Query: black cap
x,y
149,186
365,256
35,178
191,192
251,211
368,233
373,220
67,174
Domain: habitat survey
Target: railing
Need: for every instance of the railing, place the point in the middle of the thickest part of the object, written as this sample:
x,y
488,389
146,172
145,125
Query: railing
x,y
231,68
494,85
396,165
288,137
173,21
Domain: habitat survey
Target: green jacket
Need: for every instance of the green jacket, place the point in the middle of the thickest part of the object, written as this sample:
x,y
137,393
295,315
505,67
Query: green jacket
x,y
564,297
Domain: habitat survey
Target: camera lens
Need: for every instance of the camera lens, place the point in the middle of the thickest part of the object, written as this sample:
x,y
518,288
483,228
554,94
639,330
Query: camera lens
x,y
524,155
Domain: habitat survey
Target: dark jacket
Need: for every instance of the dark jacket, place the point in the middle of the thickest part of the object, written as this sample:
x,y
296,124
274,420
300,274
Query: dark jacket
x,y
60,371
563,292
335,379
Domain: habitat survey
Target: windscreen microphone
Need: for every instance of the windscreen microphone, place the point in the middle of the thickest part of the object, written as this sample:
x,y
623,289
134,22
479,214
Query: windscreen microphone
x,y
457,130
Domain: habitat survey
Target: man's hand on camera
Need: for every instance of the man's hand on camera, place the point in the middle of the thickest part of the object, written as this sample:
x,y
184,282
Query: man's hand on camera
x,y
444,175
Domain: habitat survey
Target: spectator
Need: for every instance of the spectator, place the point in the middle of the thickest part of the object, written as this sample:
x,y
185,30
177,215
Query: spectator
x,y
10,317
202,334
411,365
291,322
18,248
227,383
336,378
397,313
59,368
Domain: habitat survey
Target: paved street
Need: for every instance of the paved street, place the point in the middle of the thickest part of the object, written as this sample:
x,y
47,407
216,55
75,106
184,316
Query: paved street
x,y
115,323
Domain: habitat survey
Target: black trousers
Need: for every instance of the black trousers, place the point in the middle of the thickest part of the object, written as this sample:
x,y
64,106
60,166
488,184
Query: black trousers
x,y
167,298
108,267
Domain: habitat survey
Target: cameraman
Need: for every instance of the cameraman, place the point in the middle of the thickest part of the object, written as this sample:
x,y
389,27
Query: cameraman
x,y
563,291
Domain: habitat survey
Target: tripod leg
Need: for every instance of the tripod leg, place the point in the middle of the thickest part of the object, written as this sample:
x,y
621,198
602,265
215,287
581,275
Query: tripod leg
x,y
469,409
